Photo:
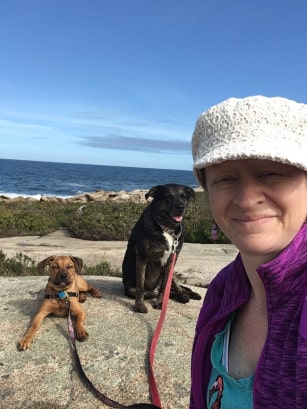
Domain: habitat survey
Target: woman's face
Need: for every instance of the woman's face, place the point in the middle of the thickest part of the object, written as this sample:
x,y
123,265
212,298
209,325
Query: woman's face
x,y
259,204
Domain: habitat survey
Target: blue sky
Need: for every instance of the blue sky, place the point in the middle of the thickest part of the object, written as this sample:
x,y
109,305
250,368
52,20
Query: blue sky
x,y
122,82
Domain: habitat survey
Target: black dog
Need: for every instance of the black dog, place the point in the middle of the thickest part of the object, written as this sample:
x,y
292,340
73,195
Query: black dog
x,y
149,252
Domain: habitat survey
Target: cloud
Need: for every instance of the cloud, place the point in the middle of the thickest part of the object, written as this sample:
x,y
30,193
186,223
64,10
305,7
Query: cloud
x,y
19,130
98,129
127,143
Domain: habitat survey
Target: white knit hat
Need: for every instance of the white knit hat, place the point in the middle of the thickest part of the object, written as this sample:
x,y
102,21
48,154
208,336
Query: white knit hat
x,y
254,127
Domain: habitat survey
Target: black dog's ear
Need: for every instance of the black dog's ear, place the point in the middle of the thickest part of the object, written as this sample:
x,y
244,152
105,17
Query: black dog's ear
x,y
190,192
153,192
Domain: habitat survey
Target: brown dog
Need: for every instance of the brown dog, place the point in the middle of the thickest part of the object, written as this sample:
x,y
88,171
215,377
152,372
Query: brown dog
x,y
65,289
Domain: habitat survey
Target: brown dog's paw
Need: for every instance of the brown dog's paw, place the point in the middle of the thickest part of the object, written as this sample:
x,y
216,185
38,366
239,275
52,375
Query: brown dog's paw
x,y
82,297
140,307
24,343
82,335
96,293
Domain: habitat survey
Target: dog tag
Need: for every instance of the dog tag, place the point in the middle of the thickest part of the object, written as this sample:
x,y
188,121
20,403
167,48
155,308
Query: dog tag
x,y
62,295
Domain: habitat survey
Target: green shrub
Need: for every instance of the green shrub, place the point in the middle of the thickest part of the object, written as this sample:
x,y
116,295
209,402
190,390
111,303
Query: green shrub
x,y
20,218
96,220
105,220
102,269
21,265
199,220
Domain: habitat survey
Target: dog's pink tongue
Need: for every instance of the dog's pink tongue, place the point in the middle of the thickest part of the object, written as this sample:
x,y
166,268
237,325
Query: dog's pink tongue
x,y
178,218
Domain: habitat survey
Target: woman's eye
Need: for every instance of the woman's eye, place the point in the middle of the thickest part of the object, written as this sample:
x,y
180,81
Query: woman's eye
x,y
271,175
224,181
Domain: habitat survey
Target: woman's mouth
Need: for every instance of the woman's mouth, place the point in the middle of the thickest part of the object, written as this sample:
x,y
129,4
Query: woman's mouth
x,y
252,221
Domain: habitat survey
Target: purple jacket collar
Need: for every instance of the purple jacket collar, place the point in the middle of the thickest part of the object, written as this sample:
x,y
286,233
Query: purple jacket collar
x,y
285,281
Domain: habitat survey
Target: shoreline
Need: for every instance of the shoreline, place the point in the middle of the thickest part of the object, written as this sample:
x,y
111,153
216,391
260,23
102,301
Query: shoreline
x,y
136,196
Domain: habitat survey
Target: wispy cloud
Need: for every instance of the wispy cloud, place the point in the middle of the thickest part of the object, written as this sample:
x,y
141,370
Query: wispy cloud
x,y
97,128
98,120
19,129
127,143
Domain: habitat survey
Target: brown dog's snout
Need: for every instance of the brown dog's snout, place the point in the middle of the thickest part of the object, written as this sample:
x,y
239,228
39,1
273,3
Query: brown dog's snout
x,y
62,277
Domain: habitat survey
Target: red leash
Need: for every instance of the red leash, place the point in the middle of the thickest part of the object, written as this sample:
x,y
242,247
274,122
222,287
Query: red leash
x,y
152,382
156,403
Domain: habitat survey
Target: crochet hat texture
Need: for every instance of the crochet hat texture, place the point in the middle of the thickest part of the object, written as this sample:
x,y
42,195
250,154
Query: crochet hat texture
x,y
254,127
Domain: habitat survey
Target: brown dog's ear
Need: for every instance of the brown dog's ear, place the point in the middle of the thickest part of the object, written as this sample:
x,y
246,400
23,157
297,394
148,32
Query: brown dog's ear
x,y
152,192
41,265
78,262
190,192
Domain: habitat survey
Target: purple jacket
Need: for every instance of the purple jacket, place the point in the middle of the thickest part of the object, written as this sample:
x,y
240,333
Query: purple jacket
x,y
281,374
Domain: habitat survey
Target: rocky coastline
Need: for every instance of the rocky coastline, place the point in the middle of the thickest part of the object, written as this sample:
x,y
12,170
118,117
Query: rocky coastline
x,y
135,196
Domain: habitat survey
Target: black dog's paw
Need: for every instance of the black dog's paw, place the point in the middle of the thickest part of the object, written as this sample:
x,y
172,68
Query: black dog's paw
x,y
182,298
189,293
139,307
195,296
158,306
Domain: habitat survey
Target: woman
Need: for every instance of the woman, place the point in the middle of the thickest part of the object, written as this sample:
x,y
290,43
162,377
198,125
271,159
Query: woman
x,y
250,347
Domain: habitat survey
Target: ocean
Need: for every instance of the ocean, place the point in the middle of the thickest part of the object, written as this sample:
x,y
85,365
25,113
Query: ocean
x,y
36,179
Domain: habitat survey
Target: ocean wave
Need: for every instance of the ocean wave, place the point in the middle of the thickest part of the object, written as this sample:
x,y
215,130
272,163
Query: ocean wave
x,y
34,196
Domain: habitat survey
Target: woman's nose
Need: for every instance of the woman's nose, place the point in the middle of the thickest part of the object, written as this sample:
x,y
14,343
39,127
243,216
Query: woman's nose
x,y
248,194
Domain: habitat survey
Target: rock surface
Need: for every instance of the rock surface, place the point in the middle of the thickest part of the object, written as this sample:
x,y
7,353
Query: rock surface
x,y
196,264
115,357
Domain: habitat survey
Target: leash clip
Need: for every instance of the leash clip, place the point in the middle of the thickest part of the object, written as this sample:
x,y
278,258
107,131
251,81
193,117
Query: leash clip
x,y
176,240
175,245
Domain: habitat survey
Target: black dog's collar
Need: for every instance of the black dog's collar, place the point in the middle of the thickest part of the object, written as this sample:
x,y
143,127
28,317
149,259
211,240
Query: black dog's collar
x,y
170,231
61,295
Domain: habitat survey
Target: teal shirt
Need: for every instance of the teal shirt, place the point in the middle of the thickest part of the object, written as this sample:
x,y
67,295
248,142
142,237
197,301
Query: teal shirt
x,y
224,392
